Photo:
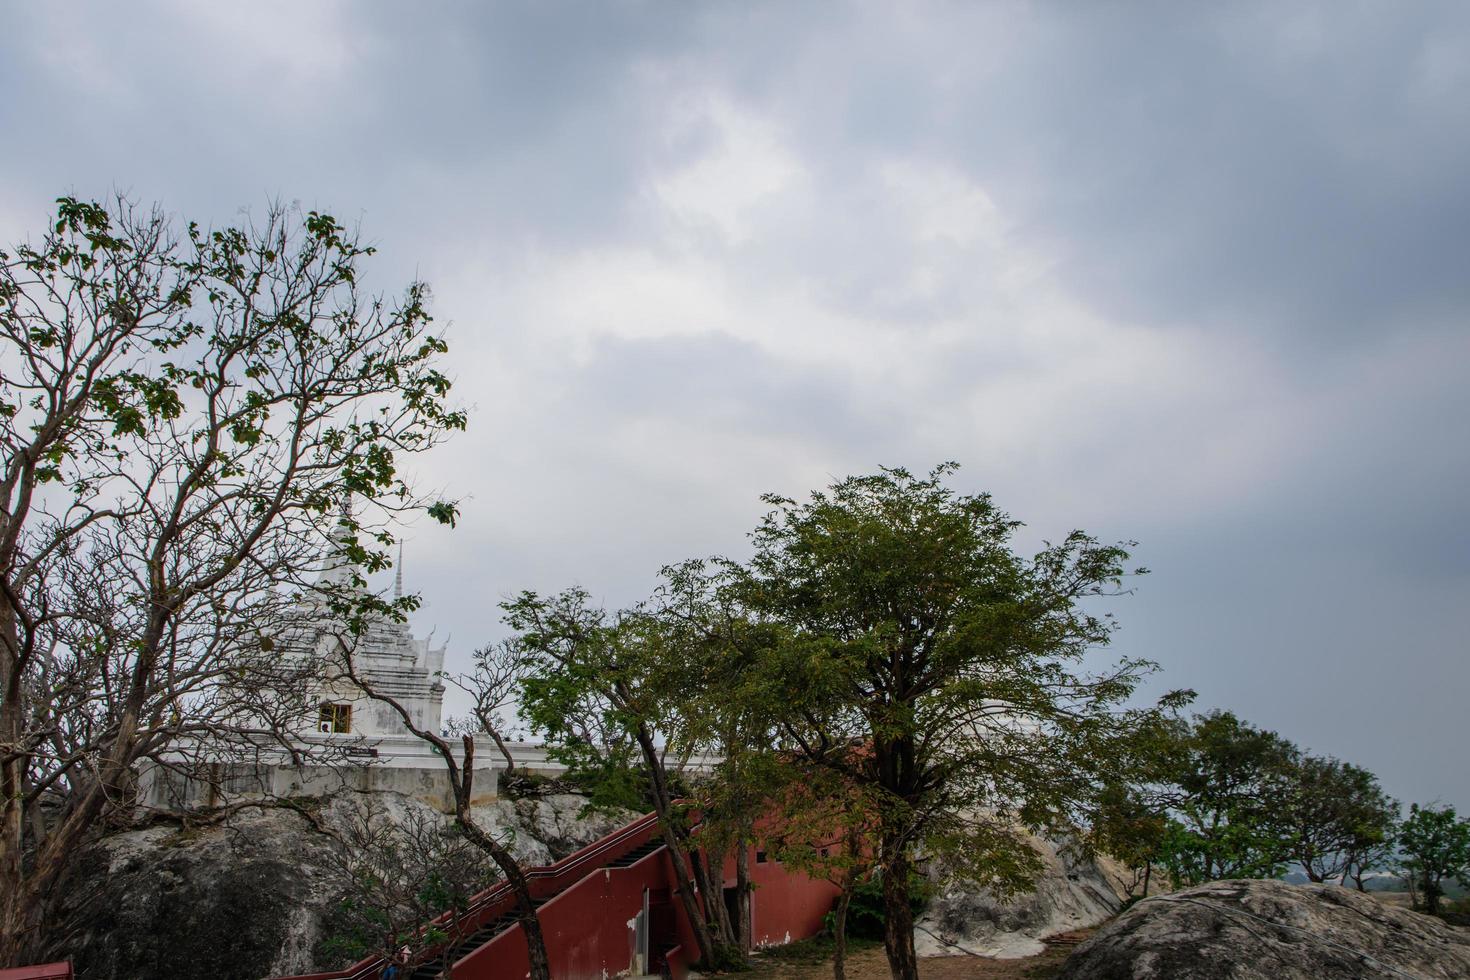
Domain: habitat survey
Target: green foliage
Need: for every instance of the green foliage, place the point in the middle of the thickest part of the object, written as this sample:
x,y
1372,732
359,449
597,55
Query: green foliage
x,y
1239,849
570,696
187,418
1130,824
1220,798
908,624
725,958
1229,779
866,915
1456,913
1339,819
815,951
884,631
1434,845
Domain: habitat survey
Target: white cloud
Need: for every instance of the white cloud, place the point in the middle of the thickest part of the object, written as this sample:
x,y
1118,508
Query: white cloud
x,y
746,165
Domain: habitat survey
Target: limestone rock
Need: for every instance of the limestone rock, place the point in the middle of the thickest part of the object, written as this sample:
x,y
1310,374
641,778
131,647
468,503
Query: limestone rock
x,y
1071,893
237,901
1244,930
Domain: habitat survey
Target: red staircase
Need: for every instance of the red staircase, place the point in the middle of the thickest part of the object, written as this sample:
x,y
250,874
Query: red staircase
x,y
609,909
41,971
492,913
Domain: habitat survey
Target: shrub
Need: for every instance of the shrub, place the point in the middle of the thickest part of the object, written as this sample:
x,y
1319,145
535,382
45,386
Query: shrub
x,y
865,918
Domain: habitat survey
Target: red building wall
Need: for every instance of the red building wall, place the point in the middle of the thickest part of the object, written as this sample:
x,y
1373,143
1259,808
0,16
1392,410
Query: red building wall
x,y
784,906
46,971
589,928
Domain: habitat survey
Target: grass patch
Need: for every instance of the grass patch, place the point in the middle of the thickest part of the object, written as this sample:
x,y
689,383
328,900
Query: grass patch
x,y
814,951
1047,970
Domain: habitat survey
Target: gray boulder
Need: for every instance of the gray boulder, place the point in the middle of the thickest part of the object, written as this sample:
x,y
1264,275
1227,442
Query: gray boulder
x,y
1244,930
1072,892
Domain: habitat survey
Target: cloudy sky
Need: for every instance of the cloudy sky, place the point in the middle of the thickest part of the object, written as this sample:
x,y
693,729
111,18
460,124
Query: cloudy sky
x,y
1193,275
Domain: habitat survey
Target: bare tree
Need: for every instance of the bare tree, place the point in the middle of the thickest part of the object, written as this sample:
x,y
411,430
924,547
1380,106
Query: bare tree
x,y
461,777
183,417
493,683
400,873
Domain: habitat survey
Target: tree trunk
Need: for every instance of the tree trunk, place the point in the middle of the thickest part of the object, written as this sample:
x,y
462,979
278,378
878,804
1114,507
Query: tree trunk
x,y
742,895
1431,895
710,874
526,916
680,856
688,896
20,929
1148,870
15,907
839,927
24,909
525,908
510,762
898,925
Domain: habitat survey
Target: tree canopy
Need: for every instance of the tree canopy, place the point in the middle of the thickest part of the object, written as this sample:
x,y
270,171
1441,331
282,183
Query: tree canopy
x,y
887,630
1434,844
913,627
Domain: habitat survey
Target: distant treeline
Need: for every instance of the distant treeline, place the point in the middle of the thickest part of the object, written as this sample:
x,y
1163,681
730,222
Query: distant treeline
x,y
1221,798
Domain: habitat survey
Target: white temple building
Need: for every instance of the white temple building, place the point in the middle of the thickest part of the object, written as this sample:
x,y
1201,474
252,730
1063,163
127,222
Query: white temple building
x,y
347,740
391,661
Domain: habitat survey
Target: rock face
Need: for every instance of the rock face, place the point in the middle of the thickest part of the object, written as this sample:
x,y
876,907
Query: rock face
x,y
1243,930
1071,893
248,899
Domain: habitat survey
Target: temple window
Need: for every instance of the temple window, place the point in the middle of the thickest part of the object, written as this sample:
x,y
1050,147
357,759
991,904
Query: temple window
x,y
334,718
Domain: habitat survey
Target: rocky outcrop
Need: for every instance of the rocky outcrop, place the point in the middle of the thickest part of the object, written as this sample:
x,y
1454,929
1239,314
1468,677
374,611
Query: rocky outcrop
x,y
1244,930
248,898
1072,892
548,828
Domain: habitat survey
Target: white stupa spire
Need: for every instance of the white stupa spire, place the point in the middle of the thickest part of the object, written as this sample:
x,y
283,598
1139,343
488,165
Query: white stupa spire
x,y
398,574
338,569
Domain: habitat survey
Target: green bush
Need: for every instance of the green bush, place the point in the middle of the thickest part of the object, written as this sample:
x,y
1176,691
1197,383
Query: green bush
x,y
865,918
726,959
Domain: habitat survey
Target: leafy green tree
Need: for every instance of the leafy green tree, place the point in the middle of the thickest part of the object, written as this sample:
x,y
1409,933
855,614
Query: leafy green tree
x,y
821,824
1371,851
721,710
607,691
181,411
1235,849
1230,780
1132,828
1335,813
1131,822
903,621
1434,844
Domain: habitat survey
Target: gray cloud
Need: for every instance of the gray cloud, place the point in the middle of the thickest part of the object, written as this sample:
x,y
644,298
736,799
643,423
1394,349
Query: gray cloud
x,y
1191,277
